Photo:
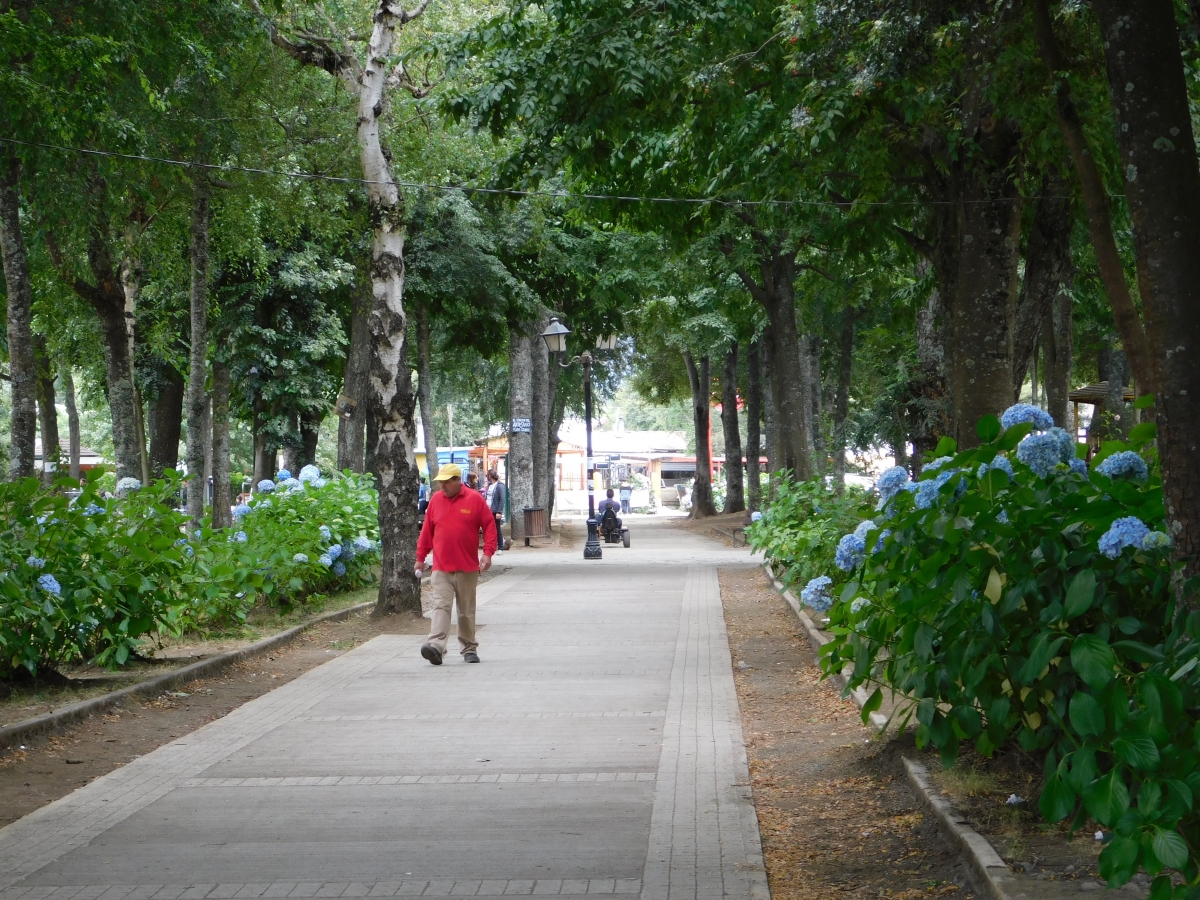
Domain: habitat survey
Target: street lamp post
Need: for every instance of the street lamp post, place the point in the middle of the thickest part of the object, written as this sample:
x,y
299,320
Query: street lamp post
x,y
555,337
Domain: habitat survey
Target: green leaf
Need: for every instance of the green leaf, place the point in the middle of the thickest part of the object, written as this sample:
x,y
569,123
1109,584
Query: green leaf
x,y
945,447
1057,800
923,641
1107,798
988,429
1081,594
1142,433
1144,402
1118,861
1044,650
873,703
1137,750
1170,848
1093,660
1087,716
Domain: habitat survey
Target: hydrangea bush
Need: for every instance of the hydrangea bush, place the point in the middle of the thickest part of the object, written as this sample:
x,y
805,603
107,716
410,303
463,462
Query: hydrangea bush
x,y
801,527
90,578
1032,600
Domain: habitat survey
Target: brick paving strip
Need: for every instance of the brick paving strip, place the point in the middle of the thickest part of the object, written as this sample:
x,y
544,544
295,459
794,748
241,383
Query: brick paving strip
x,y
597,750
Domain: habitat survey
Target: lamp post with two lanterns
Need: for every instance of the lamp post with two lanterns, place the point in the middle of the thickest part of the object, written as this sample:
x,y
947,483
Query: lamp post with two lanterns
x,y
555,337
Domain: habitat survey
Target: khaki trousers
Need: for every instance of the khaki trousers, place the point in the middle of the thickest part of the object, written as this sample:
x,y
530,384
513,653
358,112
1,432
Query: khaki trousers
x,y
447,588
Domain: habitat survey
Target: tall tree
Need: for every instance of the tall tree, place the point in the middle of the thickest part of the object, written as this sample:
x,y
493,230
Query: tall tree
x,y
21,364
735,498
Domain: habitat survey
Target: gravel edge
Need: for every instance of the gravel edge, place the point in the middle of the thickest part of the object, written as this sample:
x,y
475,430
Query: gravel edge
x,y
986,864
18,731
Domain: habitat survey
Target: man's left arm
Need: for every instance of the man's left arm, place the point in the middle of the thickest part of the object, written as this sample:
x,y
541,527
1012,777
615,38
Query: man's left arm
x,y
487,521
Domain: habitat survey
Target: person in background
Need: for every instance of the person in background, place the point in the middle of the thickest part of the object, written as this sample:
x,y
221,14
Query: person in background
x,y
606,504
626,495
423,497
497,493
452,526
473,481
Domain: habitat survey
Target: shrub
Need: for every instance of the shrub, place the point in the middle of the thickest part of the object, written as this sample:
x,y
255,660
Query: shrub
x,y
89,578
1041,605
800,528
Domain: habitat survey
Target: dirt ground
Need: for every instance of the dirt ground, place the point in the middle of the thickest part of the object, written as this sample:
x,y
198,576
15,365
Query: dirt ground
x,y
834,808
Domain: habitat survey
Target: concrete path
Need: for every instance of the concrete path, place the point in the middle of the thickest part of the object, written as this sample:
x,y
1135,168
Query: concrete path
x,y
596,750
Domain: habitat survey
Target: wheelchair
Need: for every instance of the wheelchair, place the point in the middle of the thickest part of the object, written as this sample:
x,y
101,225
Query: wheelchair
x,y
611,531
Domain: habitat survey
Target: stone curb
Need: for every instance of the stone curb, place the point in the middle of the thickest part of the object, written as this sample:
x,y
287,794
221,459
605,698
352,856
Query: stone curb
x,y
985,863
18,731
819,640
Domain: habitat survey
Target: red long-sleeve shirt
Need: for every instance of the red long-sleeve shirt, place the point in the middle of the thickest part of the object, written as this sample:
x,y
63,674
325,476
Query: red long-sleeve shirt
x,y
451,531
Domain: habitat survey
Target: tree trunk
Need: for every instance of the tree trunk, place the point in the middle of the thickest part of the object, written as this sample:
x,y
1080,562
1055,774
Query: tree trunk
x,y
131,287
841,402
264,466
1095,196
1047,268
769,411
21,364
1162,186
310,435
47,411
425,392
73,437
701,380
754,407
520,437
352,430
989,229
1057,348
735,491
197,396
109,302
166,420
539,356
810,348
222,502
928,410
788,370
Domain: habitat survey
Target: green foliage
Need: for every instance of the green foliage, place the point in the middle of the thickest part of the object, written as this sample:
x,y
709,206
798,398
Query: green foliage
x,y
801,526
88,578
993,611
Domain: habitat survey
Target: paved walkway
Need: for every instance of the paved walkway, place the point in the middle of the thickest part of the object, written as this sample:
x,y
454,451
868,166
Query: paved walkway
x,y
597,750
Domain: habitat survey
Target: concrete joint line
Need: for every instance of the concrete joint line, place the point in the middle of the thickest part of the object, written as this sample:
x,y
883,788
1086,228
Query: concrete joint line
x,y
72,821
19,731
704,839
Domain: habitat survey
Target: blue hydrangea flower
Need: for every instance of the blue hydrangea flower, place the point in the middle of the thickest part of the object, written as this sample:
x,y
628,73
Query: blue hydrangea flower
x,y
266,486
934,464
241,510
1000,463
1128,531
92,510
879,542
325,560
127,486
1066,442
283,475
262,504
1127,463
35,562
859,604
1003,517
1021,413
1042,452
890,483
1078,466
816,593
335,551
326,534
348,551
755,516
851,551
50,585
300,558
318,483
310,473
291,484
1156,540
363,544
863,529
338,569
240,537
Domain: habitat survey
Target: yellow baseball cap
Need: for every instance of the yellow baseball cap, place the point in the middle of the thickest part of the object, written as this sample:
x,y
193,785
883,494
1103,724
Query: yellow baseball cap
x,y
448,471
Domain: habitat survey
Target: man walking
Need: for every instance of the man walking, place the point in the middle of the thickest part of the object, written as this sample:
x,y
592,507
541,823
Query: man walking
x,y
497,494
452,525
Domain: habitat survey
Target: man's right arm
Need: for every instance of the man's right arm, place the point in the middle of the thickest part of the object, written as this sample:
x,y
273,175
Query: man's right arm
x,y
425,541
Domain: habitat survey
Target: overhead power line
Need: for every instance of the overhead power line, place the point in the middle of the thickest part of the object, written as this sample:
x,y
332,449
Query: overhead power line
x,y
513,192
